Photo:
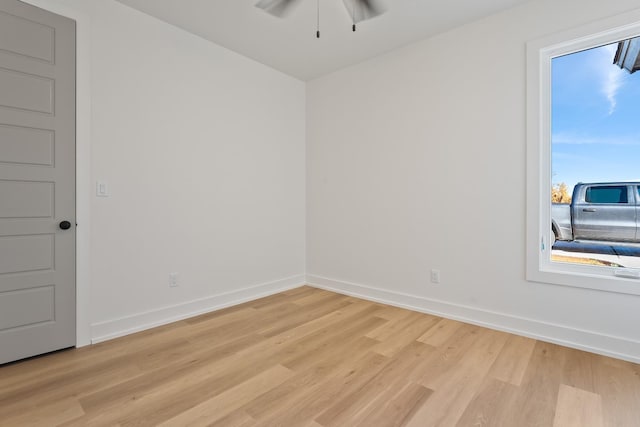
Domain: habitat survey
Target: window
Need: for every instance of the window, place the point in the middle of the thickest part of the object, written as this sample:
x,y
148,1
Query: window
x,y
542,124
604,195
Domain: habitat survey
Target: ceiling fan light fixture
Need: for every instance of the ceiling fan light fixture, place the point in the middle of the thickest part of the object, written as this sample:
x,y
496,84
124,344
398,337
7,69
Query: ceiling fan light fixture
x,y
362,10
278,8
358,10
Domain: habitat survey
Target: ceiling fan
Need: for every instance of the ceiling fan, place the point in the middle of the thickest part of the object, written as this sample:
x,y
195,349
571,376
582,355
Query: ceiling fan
x,y
358,10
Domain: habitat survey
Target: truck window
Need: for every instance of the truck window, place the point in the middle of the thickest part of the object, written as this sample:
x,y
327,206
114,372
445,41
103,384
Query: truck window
x,y
613,194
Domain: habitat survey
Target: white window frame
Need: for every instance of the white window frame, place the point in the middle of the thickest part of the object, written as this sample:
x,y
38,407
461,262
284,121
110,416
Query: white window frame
x,y
540,52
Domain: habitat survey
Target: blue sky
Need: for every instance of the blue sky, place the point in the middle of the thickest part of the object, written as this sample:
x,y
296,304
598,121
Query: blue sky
x,y
595,119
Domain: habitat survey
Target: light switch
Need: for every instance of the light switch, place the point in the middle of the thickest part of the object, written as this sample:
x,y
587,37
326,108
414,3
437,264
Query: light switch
x,y
102,189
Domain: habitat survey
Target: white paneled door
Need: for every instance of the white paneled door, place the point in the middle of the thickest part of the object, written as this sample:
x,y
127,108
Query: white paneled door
x,y
37,181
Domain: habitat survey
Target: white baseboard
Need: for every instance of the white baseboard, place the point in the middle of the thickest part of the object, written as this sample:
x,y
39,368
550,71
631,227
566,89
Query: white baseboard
x,y
594,342
110,329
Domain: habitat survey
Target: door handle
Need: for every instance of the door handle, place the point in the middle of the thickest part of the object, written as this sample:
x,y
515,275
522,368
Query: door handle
x,y
65,225
588,210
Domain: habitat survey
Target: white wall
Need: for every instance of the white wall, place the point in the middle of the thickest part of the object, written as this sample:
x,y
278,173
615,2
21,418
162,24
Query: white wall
x,y
204,152
416,160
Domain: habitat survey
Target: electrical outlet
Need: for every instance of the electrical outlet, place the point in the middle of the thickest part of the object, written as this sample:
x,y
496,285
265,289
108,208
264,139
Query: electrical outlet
x,y
435,276
173,280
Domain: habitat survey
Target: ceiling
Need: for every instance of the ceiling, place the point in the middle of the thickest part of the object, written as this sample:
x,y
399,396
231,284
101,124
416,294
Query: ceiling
x,y
289,44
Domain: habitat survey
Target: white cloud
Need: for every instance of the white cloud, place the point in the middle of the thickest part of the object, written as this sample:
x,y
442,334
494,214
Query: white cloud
x,y
613,76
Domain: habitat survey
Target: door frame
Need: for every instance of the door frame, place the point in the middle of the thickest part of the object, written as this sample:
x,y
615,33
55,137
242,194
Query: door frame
x,y
83,162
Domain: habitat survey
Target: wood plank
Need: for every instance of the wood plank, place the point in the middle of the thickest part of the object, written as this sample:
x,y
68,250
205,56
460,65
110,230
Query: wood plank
x,y
440,332
45,415
398,410
537,396
237,418
231,326
316,297
512,362
577,408
618,384
452,396
223,404
394,376
315,348
320,392
329,379
304,315
318,326
391,328
578,370
408,333
391,313
490,405
300,291
70,385
275,299
445,360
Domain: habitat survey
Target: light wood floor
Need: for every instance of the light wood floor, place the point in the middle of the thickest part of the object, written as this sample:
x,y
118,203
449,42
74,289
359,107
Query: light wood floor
x,y
309,357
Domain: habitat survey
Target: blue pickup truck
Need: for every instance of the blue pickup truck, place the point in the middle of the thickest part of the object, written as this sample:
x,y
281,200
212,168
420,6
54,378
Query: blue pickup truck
x,y
607,211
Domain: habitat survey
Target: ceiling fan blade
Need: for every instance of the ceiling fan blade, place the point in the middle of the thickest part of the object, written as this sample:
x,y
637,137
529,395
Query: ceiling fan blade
x,y
277,8
361,10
